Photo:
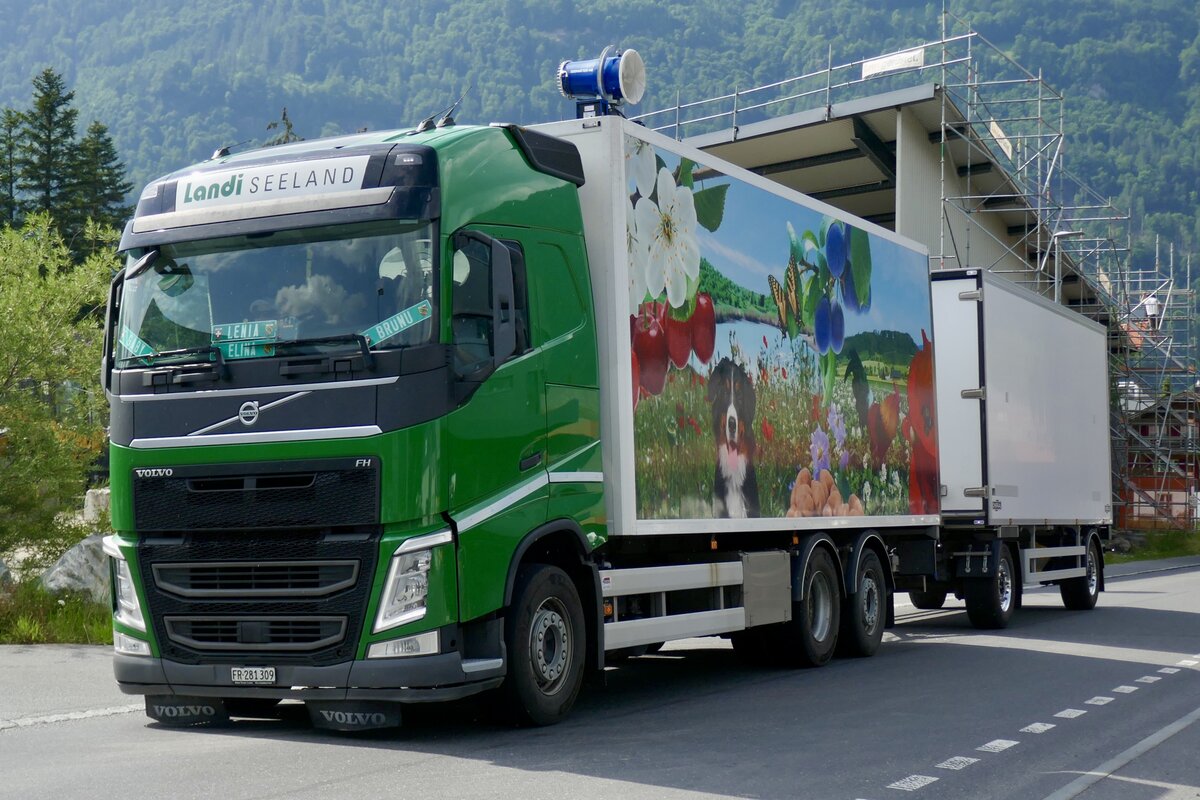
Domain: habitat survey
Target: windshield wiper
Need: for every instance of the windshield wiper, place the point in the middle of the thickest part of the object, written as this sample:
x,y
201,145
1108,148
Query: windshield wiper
x,y
325,365
212,368
202,350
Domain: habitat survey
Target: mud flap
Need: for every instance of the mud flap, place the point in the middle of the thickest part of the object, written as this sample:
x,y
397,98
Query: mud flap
x,y
182,711
353,716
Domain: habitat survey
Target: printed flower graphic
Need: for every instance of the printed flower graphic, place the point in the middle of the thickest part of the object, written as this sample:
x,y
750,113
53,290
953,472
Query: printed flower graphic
x,y
640,165
636,253
819,450
670,233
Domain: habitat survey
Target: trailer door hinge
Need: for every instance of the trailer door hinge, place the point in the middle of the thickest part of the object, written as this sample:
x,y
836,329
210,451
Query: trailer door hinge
x,y
976,491
974,394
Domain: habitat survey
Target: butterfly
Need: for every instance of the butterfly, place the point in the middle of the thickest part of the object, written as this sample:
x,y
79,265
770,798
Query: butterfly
x,y
787,299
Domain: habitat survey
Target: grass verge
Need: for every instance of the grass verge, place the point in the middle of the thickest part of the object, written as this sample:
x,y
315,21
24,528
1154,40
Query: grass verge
x,y
31,615
1167,544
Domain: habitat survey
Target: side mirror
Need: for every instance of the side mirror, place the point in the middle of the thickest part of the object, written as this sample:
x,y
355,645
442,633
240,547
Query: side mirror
x,y
503,335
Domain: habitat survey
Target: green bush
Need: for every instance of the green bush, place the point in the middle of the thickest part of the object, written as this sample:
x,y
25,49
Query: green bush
x,y
51,409
29,614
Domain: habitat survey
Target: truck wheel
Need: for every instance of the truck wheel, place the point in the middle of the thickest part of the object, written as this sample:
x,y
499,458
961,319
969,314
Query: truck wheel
x,y
927,601
864,613
545,638
1080,594
812,634
990,601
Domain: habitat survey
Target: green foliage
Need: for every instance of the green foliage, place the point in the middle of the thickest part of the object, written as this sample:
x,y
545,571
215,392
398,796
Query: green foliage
x,y
1160,544
45,169
9,121
98,184
31,615
51,409
45,135
731,299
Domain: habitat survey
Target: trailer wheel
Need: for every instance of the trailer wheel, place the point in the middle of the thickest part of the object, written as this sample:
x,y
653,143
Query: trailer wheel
x,y
1080,594
990,601
927,601
812,634
864,612
545,638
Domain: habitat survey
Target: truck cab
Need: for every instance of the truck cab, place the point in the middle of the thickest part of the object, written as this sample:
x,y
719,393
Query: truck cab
x,y
349,380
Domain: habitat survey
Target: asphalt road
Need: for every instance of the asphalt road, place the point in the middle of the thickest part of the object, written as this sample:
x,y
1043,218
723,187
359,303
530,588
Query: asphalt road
x,y
1099,705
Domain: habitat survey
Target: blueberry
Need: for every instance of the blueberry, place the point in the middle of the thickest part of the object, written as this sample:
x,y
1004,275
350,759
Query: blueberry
x,y
835,249
822,324
849,296
837,329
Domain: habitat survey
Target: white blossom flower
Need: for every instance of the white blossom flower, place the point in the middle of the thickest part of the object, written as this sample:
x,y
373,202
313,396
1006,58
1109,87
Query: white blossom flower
x,y
669,230
636,254
640,165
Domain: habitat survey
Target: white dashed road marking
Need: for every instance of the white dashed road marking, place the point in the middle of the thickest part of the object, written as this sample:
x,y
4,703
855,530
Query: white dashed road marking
x,y
1149,679
1099,701
912,783
1187,662
1125,689
958,762
997,745
1037,727
1168,670
1071,713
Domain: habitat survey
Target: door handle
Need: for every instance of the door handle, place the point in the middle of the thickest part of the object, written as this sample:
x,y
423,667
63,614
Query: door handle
x,y
529,462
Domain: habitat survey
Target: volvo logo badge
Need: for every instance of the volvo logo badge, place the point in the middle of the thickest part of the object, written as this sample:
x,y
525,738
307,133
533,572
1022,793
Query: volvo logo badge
x,y
248,413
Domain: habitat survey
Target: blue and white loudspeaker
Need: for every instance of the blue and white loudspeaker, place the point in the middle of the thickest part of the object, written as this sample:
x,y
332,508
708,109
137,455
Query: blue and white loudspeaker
x,y
601,85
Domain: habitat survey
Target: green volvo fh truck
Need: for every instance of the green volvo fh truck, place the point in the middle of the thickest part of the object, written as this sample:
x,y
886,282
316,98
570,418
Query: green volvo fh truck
x,y
408,416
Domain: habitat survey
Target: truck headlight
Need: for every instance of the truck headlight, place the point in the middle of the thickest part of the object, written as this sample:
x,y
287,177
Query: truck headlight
x,y
407,584
127,608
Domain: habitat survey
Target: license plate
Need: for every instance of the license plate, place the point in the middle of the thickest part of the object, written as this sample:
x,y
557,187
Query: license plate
x,y
256,675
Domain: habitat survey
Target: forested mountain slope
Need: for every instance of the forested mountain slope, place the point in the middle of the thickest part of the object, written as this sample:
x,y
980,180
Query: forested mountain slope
x,y
174,80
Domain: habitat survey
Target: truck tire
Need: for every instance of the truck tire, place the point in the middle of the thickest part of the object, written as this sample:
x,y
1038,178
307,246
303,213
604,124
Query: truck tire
x,y
546,641
864,612
927,601
990,601
1080,594
811,636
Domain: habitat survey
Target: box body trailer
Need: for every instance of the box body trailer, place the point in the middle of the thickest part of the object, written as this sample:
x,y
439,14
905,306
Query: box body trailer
x,y
409,416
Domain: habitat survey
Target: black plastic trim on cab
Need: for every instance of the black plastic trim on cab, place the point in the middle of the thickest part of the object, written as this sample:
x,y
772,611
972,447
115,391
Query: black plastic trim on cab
x,y
549,154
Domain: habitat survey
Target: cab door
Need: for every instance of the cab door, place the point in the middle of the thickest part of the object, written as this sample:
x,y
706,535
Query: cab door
x,y
496,437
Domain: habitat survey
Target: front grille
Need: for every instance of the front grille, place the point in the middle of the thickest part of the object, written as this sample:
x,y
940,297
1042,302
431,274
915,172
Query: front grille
x,y
290,634
257,579
285,494
295,597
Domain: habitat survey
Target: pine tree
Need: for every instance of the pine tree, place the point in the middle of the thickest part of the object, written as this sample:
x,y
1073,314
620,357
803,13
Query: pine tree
x,y
287,135
99,187
46,142
9,122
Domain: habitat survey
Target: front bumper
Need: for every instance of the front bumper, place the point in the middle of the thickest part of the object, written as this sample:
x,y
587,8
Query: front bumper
x,y
417,679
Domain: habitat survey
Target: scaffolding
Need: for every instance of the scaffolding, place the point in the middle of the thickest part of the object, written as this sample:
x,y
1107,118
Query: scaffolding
x,y
1010,204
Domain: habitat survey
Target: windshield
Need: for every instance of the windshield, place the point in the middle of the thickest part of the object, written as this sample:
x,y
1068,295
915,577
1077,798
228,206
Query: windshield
x,y
248,296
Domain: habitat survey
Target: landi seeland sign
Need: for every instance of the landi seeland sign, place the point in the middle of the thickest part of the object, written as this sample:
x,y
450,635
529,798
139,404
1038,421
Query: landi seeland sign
x,y
230,187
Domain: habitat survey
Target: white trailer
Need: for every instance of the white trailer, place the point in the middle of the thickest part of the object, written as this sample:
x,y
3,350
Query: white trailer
x,y
1022,456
